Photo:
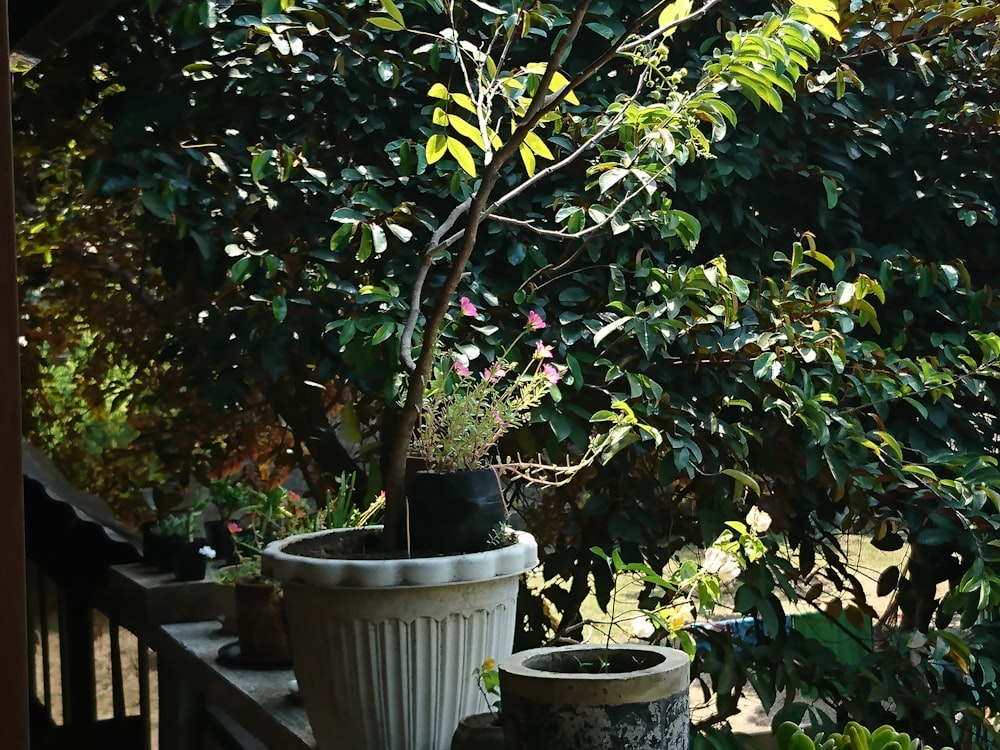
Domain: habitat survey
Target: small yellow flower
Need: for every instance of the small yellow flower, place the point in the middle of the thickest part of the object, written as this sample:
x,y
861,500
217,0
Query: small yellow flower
x,y
489,665
679,617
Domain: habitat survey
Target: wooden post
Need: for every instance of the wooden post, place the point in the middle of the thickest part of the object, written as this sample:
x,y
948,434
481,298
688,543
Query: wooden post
x,y
14,623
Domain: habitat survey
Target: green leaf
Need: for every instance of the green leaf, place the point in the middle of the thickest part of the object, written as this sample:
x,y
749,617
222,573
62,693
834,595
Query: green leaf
x,y
437,146
438,91
528,157
279,308
743,478
467,129
393,11
462,155
386,23
340,238
384,332
830,186
538,146
766,367
242,269
260,165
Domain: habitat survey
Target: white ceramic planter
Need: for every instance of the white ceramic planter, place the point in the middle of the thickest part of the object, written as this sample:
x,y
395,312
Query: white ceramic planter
x,y
384,650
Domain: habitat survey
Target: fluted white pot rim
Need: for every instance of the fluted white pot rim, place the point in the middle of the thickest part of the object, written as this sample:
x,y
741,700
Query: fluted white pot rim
x,y
279,564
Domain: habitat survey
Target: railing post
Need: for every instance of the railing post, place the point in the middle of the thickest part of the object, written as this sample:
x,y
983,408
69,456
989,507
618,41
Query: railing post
x,y
14,623
181,711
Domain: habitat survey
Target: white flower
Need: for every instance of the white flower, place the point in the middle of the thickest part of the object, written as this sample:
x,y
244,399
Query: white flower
x,y
721,564
207,551
642,627
758,520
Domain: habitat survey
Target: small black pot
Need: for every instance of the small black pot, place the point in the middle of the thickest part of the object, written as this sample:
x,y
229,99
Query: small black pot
x,y
188,563
454,512
221,540
152,545
478,732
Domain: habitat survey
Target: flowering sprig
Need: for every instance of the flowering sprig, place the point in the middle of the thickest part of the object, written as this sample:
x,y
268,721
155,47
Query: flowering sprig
x,y
465,414
693,588
488,681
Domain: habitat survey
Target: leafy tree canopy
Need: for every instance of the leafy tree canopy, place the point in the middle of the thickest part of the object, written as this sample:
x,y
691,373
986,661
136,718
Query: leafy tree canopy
x,y
774,247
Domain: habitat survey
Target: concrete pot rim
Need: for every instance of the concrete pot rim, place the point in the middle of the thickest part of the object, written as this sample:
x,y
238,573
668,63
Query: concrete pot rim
x,y
512,560
666,672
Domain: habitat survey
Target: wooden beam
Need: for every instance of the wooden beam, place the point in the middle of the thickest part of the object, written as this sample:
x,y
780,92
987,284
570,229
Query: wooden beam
x,y
13,624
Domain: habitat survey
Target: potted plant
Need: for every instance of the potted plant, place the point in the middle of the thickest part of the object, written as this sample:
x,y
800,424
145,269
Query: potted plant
x,y
229,498
263,640
790,736
631,695
483,731
189,550
422,623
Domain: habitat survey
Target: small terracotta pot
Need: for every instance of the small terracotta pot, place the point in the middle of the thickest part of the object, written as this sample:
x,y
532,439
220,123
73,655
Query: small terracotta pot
x,y
260,621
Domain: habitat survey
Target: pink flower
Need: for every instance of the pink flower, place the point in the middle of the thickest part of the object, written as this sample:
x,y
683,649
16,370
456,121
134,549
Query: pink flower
x,y
542,351
233,527
461,368
493,373
550,372
535,322
468,308
496,417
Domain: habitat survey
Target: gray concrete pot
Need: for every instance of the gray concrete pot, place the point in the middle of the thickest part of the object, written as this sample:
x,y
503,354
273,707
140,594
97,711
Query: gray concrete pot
x,y
626,697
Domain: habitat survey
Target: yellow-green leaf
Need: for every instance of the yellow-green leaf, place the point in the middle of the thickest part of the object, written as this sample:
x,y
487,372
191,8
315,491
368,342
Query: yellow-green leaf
x,y
558,81
386,23
826,7
439,117
824,26
467,129
528,157
536,144
438,91
392,10
462,155
465,102
437,144
673,13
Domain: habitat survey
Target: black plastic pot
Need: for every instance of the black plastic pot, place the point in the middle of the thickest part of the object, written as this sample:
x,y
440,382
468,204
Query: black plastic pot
x,y
221,540
454,512
152,545
189,564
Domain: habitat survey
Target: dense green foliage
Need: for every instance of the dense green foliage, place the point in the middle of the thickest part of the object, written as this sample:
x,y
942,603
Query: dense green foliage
x,y
801,306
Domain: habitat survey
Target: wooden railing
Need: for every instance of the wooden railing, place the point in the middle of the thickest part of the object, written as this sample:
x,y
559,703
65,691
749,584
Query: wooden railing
x,y
122,657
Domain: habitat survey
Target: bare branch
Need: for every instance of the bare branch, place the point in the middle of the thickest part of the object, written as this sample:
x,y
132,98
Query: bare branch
x,y
667,27
434,247
529,225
